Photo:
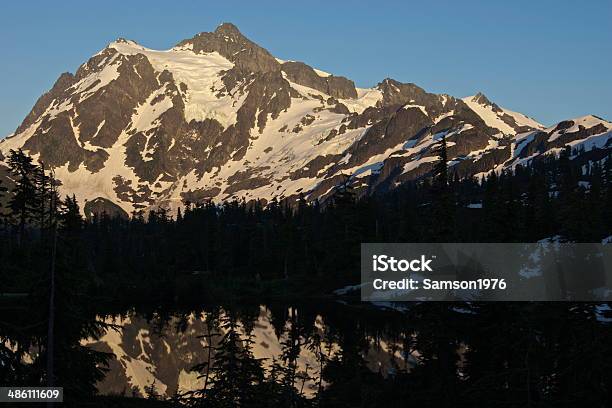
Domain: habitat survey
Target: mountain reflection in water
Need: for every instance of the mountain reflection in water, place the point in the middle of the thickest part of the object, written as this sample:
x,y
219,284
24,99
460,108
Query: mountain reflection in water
x,y
151,351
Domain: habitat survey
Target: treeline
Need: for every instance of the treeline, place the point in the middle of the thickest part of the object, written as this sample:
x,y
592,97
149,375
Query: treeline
x,y
556,198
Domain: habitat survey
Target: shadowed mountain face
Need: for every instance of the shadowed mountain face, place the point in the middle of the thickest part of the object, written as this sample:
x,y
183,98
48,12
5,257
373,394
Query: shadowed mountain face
x,y
218,117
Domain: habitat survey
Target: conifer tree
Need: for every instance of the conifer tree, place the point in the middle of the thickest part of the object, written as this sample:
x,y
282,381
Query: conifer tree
x,y
607,201
70,215
442,214
43,199
289,379
3,191
595,227
23,201
235,376
569,200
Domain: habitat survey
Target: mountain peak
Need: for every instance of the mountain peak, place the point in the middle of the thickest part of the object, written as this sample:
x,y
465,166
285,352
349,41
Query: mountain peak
x,y
127,41
481,99
123,44
505,120
228,29
229,42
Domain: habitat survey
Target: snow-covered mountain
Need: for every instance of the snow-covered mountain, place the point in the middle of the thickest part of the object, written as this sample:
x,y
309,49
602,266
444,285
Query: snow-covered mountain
x,y
218,117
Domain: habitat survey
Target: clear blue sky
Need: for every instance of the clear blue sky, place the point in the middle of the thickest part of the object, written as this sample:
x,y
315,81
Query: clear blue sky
x,y
549,59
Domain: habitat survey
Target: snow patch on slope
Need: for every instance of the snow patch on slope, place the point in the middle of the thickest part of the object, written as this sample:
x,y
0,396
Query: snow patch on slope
x,y
98,80
366,97
147,114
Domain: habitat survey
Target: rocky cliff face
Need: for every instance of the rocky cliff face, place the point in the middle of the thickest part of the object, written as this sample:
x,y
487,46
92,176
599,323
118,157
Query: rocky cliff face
x,y
218,117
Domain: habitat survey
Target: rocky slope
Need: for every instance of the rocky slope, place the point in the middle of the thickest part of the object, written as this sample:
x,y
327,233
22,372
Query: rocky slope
x,y
218,117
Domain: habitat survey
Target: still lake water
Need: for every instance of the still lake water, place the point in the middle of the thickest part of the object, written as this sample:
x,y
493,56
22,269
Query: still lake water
x,y
156,346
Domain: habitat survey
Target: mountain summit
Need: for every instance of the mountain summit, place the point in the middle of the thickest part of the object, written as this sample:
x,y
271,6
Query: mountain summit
x,y
218,117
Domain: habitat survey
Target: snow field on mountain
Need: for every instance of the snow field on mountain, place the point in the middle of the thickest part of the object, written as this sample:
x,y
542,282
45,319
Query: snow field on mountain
x,y
201,73
290,151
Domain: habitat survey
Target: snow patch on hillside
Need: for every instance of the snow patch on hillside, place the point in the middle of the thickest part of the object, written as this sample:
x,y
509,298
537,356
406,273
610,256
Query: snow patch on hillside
x,y
147,115
366,97
97,80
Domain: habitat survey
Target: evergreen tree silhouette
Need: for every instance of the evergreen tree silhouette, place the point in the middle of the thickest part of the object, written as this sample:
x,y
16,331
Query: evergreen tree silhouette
x,y
570,198
3,190
24,200
70,215
289,379
442,205
235,375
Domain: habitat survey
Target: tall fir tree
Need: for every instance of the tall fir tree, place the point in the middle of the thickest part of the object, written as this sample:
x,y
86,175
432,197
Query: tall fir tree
x,y
570,204
442,203
234,376
70,215
24,198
